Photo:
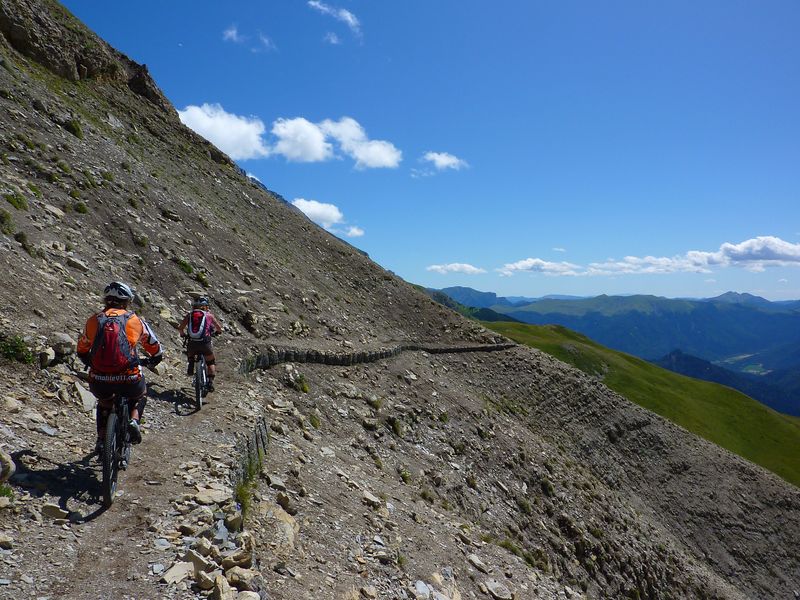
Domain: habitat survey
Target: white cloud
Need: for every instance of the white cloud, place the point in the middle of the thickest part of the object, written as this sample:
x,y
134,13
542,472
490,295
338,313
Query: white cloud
x,y
239,137
266,43
340,14
300,140
783,280
251,176
326,215
464,268
354,142
537,265
755,254
444,160
711,280
231,34
332,38
557,249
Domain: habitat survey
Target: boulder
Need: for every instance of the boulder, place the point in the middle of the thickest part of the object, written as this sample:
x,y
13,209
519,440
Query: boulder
x,y
241,579
63,344
7,466
222,589
178,572
497,590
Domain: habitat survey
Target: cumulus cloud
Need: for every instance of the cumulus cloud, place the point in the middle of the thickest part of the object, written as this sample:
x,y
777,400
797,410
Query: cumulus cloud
x,y
464,268
231,34
239,137
444,160
354,142
300,140
755,254
354,231
332,38
340,14
328,216
537,265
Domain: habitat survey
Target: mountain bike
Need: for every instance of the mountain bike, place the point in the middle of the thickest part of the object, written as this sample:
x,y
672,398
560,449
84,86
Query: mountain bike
x,y
200,380
116,453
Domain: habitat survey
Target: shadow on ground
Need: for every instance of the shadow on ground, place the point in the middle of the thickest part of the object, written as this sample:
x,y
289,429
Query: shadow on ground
x,y
76,484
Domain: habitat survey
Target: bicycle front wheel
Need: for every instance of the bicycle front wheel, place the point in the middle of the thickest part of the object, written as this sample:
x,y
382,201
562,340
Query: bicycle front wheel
x,y
110,463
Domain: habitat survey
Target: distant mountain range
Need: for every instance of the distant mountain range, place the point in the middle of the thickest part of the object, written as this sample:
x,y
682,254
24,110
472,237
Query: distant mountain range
x,y
741,340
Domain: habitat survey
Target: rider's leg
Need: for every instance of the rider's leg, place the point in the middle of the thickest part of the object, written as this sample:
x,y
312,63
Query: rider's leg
x,y
211,364
137,396
191,354
105,404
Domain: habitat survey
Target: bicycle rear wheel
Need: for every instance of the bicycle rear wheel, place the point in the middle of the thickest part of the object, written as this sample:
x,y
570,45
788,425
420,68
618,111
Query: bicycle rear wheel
x,y
199,382
110,464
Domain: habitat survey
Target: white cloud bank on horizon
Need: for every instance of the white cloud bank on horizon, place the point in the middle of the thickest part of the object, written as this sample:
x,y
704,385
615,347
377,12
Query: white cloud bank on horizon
x,y
755,254
464,268
340,14
327,216
238,137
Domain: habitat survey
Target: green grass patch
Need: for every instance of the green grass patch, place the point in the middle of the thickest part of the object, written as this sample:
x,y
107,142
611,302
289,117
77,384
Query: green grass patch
x,y
74,127
16,200
6,491
717,413
81,208
34,189
6,222
185,266
13,347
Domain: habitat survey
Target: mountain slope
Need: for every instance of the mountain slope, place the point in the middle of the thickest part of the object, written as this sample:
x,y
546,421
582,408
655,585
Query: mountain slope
x,y
381,476
783,399
717,413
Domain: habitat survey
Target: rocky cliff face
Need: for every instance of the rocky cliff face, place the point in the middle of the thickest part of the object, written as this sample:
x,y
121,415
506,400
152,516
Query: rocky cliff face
x,y
497,475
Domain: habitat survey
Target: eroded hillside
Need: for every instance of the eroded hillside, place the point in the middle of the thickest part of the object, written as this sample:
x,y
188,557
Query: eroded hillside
x,y
498,475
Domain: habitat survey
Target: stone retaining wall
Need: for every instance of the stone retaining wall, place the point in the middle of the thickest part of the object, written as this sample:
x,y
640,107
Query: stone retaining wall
x,y
283,354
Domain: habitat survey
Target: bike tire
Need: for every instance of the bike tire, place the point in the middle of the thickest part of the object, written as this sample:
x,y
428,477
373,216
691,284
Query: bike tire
x,y
110,465
199,384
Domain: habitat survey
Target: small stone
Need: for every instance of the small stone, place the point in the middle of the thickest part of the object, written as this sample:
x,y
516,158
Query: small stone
x,y
200,562
369,592
54,511
157,568
234,521
205,581
6,542
46,357
248,596
476,562
203,547
241,578
27,579
276,483
210,496
371,500
497,590
222,589
5,502
85,397
47,430
421,590
178,572
77,264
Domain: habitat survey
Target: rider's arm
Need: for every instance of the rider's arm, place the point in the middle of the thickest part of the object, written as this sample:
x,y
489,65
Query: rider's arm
x,y
146,336
215,326
182,326
86,339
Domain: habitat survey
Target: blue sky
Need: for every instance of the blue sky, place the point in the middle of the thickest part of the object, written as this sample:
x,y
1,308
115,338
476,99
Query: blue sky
x,y
521,147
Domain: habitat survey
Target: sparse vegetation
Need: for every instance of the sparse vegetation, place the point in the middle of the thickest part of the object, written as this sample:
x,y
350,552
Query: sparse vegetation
x,y
108,176
74,127
81,208
6,491
185,266
140,240
405,475
374,402
75,193
6,222
13,347
314,420
34,189
16,200
427,495
63,167
201,278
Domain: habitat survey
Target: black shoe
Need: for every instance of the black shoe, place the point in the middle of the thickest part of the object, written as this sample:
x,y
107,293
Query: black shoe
x,y
98,448
190,369
134,432
210,386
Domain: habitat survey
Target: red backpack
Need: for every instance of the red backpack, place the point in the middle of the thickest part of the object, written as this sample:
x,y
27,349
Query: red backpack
x,y
199,326
111,351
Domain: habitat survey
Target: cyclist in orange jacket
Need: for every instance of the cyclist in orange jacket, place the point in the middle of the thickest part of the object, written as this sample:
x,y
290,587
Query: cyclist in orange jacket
x,y
108,347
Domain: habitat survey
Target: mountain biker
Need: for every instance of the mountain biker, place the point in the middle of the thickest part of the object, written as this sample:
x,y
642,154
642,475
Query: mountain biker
x,y
108,347
200,325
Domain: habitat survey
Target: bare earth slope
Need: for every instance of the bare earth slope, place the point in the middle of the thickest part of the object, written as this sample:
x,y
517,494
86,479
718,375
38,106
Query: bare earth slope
x,y
416,476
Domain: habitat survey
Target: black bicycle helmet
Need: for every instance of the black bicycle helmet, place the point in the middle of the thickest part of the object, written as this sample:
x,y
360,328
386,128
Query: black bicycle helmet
x,y
199,302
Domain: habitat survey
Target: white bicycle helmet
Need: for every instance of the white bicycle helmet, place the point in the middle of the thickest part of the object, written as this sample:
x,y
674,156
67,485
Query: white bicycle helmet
x,y
118,291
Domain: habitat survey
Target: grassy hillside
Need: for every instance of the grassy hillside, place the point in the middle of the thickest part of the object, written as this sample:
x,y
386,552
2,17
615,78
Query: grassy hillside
x,y
715,412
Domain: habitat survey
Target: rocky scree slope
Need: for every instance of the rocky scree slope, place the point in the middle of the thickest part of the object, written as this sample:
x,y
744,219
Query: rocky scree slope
x,y
500,475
